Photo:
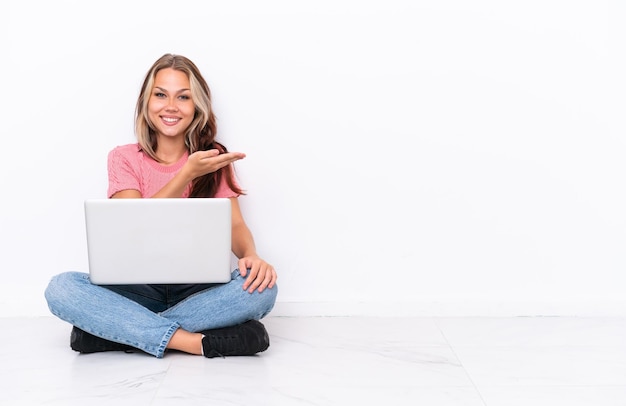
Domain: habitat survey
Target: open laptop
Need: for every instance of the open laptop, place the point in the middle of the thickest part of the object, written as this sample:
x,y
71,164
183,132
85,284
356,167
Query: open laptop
x,y
141,241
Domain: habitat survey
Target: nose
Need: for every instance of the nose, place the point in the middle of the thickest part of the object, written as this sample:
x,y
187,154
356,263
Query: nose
x,y
171,104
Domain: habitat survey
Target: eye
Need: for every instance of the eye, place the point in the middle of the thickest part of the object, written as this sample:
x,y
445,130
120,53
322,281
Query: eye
x,y
159,94
184,97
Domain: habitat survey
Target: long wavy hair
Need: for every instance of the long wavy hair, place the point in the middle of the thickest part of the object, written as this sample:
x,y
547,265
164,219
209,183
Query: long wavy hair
x,y
201,133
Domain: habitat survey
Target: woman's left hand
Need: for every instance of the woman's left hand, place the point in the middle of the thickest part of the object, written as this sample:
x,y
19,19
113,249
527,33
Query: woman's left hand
x,y
262,275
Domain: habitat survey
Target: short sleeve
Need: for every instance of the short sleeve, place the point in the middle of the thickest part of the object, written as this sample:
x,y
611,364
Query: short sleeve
x,y
224,191
122,173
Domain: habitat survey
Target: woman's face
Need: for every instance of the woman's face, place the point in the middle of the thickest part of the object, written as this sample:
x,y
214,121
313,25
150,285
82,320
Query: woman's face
x,y
170,106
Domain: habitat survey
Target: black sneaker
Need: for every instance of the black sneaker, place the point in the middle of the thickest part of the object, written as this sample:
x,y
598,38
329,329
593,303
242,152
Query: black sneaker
x,y
248,338
86,343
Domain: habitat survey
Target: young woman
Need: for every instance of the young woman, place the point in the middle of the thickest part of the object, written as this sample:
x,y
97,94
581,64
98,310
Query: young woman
x,y
176,155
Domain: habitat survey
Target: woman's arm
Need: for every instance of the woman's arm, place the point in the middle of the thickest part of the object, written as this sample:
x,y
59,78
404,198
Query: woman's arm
x,y
199,163
261,274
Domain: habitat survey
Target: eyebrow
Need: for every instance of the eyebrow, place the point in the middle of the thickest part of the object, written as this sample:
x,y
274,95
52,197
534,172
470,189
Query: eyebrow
x,y
166,91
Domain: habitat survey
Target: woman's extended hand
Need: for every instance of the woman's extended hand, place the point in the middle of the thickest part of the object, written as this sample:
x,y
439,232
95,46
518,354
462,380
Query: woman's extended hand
x,y
262,275
202,162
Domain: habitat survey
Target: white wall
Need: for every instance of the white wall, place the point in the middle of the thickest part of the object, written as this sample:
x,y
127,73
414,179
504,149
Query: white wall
x,y
426,157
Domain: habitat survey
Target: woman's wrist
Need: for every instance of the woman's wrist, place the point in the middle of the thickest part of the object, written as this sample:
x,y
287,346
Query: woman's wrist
x,y
185,173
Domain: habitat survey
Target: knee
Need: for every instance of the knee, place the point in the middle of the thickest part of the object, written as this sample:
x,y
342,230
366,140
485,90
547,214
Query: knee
x,y
266,301
60,286
271,294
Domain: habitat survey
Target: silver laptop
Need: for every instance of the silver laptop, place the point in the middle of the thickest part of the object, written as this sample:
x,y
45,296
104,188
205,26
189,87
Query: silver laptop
x,y
181,240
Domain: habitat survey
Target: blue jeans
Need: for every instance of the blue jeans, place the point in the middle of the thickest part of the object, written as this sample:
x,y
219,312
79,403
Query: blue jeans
x,y
146,316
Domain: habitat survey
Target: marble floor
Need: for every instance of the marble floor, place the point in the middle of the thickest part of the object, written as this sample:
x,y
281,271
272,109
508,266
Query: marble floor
x,y
337,361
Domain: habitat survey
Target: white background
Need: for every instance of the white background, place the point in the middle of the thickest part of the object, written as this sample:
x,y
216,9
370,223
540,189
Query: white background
x,y
403,157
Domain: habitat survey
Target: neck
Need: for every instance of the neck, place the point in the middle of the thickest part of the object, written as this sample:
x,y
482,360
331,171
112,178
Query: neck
x,y
170,150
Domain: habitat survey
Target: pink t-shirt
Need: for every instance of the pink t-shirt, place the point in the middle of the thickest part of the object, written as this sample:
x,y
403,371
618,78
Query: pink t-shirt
x,y
131,168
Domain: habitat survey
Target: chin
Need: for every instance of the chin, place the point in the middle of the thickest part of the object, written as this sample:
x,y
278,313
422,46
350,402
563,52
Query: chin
x,y
171,134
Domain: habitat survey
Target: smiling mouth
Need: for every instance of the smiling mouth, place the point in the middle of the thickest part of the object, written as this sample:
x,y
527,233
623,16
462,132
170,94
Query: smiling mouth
x,y
170,120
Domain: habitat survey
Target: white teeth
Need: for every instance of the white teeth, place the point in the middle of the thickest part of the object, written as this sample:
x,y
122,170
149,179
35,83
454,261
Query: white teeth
x,y
170,120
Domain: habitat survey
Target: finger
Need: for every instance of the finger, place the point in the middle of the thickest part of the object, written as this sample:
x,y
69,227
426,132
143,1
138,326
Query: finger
x,y
269,276
243,269
259,276
252,273
220,162
209,153
228,156
273,278
212,164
